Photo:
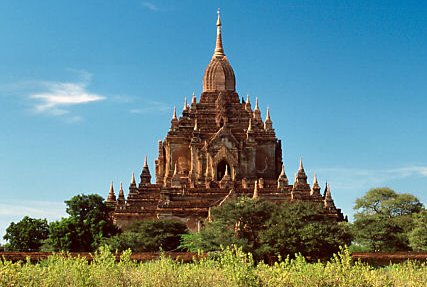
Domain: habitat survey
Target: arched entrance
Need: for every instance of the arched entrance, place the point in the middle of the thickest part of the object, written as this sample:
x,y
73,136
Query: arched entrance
x,y
220,169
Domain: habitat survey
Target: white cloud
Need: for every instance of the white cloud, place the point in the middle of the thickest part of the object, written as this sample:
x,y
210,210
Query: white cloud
x,y
150,6
15,211
60,95
354,178
38,209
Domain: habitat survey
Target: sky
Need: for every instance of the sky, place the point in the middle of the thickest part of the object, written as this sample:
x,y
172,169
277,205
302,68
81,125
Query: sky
x,y
87,88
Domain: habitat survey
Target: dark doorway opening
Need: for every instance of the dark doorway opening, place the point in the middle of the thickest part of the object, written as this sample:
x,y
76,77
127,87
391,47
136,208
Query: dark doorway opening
x,y
220,169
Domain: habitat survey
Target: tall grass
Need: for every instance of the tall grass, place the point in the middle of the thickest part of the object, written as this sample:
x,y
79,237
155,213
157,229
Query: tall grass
x,y
231,267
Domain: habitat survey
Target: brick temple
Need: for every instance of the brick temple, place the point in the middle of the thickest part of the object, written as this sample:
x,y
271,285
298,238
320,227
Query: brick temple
x,y
219,147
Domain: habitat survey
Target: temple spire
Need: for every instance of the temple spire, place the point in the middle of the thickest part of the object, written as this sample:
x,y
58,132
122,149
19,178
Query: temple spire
x,y
282,181
132,181
257,112
174,120
185,104
300,164
256,104
121,198
219,51
193,100
145,174
328,201
268,124
301,177
174,113
315,182
268,114
111,196
248,104
315,189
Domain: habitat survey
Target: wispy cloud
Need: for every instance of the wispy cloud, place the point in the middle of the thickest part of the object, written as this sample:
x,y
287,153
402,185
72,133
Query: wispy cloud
x,y
354,178
152,107
150,6
15,211
59,95
38,209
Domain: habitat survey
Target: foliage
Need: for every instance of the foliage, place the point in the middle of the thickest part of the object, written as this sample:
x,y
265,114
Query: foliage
x,y
418,235
26,235
149,235
236,222
266,229
385,201
229,267
89,222
302,227
384,219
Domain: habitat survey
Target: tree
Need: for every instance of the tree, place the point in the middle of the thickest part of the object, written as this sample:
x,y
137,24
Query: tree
x,y
26,235
236,222
418,235
384,219
264,229
387,202
149,235
379,233
303,227
89,222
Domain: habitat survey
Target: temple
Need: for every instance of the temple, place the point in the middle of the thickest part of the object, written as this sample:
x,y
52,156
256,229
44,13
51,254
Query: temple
x,y
219,147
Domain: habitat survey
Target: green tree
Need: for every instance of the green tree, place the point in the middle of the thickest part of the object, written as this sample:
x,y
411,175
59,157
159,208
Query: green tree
x,y
238,221
303,227
149,235
89,222
387,202
264,228
383,219
27,234
418,235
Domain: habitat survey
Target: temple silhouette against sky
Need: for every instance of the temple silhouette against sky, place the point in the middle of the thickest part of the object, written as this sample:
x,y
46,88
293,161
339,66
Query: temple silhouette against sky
x,y
219,147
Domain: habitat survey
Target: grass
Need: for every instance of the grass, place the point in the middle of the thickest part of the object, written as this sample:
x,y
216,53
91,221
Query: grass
x,y
231,267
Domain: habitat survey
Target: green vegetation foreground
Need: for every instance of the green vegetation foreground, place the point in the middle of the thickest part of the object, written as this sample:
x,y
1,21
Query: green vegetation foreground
x,y
230,267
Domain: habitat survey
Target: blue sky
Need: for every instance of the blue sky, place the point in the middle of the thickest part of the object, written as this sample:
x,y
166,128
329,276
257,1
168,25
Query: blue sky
x,y
87,88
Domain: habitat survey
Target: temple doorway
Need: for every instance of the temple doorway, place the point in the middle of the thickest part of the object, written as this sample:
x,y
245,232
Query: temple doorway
x,y
220,169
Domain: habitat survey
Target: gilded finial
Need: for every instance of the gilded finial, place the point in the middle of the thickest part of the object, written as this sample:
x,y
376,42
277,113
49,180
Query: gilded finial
x,y
247,99
174,113
300,164
268,114
132,181
145,162
218,22
256,104
219,51
185,104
